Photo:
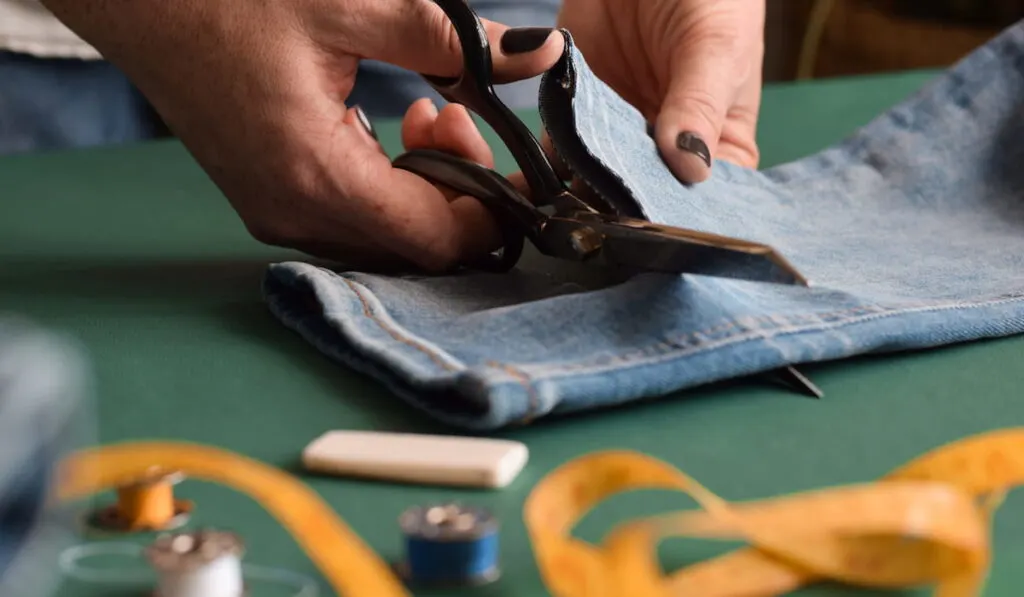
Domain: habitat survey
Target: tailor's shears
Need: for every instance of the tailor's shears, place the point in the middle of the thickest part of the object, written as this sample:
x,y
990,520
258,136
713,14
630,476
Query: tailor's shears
x,y
583,227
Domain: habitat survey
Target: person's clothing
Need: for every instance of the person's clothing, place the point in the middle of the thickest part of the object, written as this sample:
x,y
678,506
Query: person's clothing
x,y
911,232
27,27
46,412
56,92
63,103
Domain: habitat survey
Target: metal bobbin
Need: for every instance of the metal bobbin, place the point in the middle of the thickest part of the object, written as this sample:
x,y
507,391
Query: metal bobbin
x,y
449,545
145,504
204,563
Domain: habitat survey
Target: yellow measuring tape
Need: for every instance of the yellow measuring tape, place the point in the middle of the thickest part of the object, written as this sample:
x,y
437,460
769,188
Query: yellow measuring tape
x,y
925,524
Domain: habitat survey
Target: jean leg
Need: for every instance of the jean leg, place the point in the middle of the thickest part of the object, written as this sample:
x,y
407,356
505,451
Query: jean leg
x,y
384,90
49,104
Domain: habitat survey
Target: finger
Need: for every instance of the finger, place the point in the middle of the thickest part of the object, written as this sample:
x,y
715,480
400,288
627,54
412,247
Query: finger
x,y
417,35
398,211
456,132
420,131
738,143
701,89
478,230
452,129
519,182
418,125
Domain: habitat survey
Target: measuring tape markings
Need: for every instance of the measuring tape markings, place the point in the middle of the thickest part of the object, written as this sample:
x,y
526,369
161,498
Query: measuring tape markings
x,y
926,522
920,524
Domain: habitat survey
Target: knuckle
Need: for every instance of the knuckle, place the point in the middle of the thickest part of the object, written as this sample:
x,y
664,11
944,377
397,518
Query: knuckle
x,y
723,41
700,104
443,36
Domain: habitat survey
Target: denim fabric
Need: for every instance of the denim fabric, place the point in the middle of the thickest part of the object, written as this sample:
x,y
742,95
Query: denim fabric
x,y
44,414
911,231
48,104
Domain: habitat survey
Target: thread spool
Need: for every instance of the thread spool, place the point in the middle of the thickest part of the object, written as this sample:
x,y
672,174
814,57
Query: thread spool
x,y
198,564
449,545
145,504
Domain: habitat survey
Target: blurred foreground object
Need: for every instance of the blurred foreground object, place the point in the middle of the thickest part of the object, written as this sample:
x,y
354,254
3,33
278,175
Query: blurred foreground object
x,y
44,415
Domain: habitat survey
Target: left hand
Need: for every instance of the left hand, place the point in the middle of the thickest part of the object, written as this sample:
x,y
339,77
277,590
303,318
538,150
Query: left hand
x,y
691,67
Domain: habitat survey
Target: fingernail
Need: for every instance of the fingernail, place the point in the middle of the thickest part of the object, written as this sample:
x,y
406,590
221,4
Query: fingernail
x,y
524,39
365,121
692,143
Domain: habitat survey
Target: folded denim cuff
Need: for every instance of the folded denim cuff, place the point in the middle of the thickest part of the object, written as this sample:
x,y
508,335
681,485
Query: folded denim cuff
x,y
912,231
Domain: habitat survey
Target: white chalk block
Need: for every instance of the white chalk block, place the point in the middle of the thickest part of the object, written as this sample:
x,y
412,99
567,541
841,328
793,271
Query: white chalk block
x,y
414,458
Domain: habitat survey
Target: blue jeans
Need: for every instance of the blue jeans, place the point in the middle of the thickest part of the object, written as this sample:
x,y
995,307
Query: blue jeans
x,y
911,232
44,415
54,104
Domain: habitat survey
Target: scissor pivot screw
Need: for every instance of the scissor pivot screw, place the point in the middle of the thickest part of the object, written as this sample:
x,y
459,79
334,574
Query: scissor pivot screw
x,y
585,241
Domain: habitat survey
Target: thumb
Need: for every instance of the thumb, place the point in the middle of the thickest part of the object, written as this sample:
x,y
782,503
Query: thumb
x,y
417,35
702,87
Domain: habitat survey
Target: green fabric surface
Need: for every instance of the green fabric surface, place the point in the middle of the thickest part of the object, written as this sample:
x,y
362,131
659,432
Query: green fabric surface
x,y
133,251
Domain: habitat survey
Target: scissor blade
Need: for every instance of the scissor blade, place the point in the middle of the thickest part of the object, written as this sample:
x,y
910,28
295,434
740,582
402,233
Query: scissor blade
x,y
641,245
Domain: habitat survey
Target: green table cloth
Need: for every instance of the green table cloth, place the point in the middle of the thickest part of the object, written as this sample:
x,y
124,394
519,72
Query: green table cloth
x,y
132,251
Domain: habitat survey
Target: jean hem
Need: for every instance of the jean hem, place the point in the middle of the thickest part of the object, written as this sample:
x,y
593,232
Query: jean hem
x,y
367,339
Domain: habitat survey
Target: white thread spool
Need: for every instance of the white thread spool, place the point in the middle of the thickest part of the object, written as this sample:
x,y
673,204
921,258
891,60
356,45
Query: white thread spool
x,y
202,564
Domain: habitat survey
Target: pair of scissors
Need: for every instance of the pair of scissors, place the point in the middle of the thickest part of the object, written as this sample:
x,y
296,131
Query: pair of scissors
x,y
583,226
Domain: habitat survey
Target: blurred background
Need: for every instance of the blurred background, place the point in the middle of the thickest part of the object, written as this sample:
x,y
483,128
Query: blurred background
x,y
826,38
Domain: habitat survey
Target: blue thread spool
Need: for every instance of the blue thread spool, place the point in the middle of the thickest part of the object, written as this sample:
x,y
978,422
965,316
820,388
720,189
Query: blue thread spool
x,y
449,545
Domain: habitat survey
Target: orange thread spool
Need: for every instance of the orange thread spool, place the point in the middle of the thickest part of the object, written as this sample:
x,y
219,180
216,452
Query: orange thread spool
x,y
145,504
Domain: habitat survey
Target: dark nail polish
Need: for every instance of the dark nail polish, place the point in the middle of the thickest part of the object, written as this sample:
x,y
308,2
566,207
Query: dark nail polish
x,y
692,143
365,121
524,39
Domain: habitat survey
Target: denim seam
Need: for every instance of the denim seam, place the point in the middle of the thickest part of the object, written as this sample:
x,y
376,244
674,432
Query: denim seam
x,y
527,382
750,328
690,343
663,349
394,333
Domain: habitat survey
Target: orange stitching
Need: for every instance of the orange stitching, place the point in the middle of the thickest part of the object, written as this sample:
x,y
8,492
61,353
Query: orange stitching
x,y
524,380
393,333
658,348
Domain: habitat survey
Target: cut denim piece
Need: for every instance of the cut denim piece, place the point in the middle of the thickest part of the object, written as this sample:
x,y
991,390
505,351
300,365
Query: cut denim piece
x,y
911,231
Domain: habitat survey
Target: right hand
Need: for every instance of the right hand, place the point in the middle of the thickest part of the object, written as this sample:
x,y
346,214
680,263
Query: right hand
x,y
256,91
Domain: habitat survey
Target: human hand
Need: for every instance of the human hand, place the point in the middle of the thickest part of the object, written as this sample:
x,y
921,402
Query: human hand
x,y
691,67
256,91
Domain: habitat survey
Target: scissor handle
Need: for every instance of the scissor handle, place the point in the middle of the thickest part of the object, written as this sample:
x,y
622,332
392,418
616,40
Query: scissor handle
x,y
474,89
516,218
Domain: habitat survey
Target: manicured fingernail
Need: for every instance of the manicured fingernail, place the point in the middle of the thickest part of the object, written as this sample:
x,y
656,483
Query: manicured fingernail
x,y
524,39
365,121
692,143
